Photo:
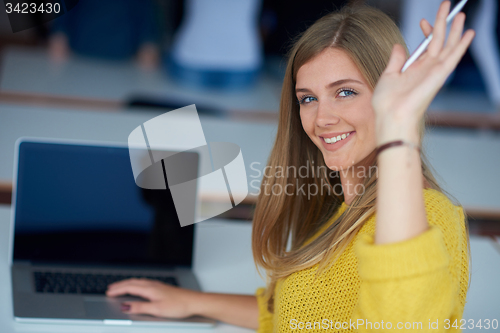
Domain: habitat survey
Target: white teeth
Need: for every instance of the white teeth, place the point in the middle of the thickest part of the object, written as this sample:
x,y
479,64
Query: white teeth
x,y
337,138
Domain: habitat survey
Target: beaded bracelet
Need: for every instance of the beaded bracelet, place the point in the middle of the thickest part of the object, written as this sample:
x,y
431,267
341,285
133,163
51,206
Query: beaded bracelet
x,y
397,143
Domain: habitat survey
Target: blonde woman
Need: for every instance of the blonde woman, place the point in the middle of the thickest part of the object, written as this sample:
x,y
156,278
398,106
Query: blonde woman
x,y
362,237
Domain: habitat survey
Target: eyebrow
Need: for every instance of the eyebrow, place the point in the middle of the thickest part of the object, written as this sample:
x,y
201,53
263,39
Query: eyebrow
x,y
331,85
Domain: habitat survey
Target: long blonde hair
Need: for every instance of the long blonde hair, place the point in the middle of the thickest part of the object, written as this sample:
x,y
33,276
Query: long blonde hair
x,y
282,223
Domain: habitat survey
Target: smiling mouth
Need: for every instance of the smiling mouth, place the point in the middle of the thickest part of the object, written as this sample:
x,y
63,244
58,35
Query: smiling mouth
x,y
336,138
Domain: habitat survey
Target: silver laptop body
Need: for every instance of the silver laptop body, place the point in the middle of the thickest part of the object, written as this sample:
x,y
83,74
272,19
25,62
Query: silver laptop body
x,y
79,222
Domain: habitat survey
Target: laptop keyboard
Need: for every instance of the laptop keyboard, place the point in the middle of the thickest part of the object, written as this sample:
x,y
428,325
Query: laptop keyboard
x,y
74,283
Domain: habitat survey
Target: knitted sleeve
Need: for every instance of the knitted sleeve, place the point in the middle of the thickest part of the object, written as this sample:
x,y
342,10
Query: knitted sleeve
x,y
265,317
419,284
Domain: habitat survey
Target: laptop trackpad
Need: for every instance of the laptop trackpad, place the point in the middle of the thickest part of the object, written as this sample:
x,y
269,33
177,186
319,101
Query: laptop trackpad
x,y
104,309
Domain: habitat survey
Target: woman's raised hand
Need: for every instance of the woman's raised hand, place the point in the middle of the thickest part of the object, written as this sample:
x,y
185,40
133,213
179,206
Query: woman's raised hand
x,y
402,98
164,300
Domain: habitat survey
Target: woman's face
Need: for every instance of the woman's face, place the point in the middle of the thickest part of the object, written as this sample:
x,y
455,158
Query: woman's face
x,y
335,100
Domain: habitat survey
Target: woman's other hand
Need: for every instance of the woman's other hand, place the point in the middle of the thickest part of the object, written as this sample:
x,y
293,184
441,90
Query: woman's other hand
x,y
173,302
163,300
401,99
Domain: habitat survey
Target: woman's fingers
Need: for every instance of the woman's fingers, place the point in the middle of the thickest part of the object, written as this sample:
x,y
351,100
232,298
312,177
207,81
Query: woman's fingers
x,y
137,287
456,30
396,60
453,46
148,308
124,283
459,50
439,32
135,282
135,290
426,27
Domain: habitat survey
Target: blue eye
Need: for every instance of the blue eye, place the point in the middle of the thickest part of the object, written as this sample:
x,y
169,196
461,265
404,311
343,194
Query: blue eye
x,y
349,92
306,99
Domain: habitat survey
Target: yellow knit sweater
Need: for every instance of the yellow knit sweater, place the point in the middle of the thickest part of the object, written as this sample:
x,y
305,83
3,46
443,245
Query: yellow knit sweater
x,y
415,285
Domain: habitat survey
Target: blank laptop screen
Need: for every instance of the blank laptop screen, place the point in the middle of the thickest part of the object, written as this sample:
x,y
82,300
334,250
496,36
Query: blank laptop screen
x,y
79,204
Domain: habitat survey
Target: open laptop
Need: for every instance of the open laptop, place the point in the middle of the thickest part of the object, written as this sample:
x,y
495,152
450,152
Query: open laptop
x,y
80,223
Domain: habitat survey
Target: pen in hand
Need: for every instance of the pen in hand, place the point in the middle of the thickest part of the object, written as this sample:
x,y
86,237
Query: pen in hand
x,y
423,46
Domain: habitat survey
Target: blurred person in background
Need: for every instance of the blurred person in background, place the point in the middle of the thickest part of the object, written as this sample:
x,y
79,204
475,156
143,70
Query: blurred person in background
x,y
107,29
217,44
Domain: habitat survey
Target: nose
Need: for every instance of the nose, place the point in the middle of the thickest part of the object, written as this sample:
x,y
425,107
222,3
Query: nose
x,y
326,115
